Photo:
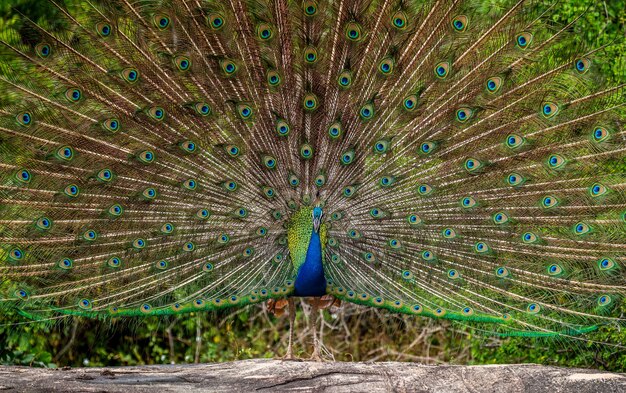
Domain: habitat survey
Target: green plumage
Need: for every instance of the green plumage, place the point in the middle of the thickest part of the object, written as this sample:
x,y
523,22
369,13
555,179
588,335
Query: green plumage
x,y
165,157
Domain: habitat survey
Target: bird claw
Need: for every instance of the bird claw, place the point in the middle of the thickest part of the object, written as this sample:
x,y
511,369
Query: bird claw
x,y
290,357
316,357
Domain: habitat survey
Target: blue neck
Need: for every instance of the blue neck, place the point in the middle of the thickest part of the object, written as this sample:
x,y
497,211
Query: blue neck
x,y
310,280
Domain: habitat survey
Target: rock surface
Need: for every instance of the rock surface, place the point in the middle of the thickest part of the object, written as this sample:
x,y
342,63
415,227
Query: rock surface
x,y
264,375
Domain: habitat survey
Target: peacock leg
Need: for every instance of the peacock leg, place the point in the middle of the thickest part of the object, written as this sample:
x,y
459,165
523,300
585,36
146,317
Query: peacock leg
x,y
292,319
316,356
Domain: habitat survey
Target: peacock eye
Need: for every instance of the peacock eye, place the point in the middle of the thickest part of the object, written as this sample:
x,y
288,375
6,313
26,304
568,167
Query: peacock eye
x,y
460,23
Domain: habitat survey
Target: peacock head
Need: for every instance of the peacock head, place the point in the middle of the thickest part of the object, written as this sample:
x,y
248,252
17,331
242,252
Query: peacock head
x,y
317,218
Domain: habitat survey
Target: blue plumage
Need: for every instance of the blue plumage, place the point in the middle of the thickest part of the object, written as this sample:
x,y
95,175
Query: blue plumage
x,y
310,280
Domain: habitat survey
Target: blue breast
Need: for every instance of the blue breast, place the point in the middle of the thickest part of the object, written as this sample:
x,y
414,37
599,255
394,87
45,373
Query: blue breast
x,y
310,280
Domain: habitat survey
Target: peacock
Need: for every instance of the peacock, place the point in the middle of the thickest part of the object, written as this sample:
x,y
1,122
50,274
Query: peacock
x,y
436,158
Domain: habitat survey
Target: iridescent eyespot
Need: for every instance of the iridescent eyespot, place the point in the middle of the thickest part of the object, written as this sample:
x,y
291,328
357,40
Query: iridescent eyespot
x,y
468,202
336,216
146,157
533,308
23,176
494,84
240,212
149,193
203,109
472,165
162,22
500,218
606,264
376,212
183,63
310,102
90,235
189,246
529,238
21,294
503,272
481,247
269,192
442,70
335,130
460,23
310,55
427,147
582,65
515,179
73,94
111,125
139,243
514,141
448,233
347,157
600,134
264,31
115,210
64,153
463,114
410,103
161,265
190,184
468,311
349,191
353,31
354,234
309,7
24,119
43,50
407,275
167,228
320,180
555,270
453,274
523,40
114,262
228,67
381,146
597,189
424,189
345,79
223,238
549,109
103,29
145,308
386,181
604,300
65,263
278,215
386,66
394,243
399,20
215,20
85,304
268,161
549,201
156,113
366,112
556,161
414,219
582,228
130,75
306,151
203,214
427,255
293,180
278,258
273,78
188,146
16,254
43,223
261,231
282,128
244,111
335,258
369,257
71,191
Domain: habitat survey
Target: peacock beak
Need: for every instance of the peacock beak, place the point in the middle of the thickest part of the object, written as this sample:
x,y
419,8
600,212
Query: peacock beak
x,y
316,223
